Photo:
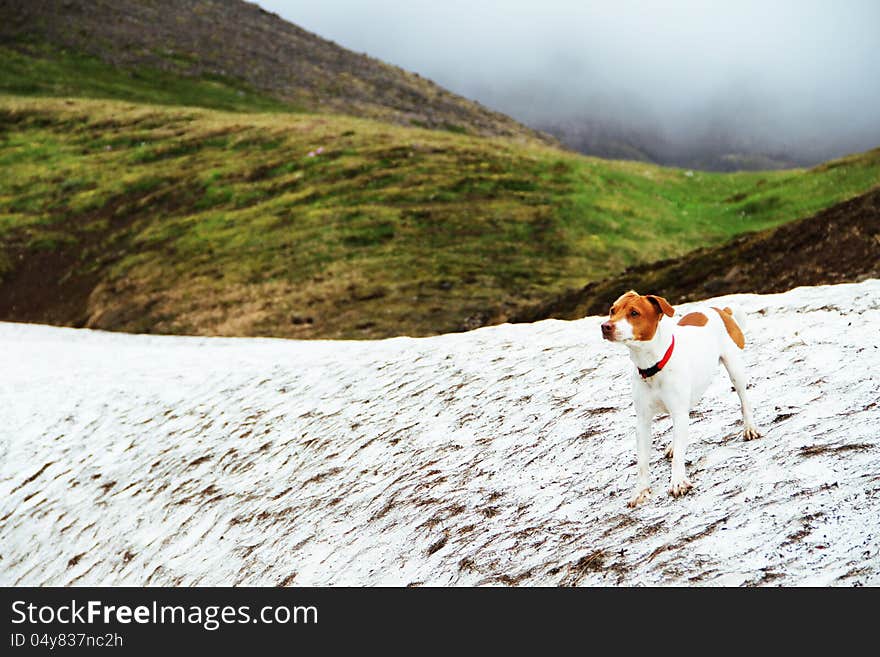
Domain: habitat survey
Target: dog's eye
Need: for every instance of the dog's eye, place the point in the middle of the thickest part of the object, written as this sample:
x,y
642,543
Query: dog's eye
x,y
634,313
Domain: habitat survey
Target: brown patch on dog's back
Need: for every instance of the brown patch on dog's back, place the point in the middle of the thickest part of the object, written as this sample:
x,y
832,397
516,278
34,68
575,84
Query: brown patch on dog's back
x,y
733,329
694,319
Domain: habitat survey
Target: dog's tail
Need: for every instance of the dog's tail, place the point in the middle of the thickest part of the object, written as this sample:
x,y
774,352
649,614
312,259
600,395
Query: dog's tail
x,y
739,315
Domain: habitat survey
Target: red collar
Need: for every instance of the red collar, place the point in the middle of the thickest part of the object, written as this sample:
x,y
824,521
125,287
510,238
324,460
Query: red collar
x,y
651,371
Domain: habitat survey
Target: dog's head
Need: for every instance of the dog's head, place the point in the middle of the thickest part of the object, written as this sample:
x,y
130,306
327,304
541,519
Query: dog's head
x,y
635,317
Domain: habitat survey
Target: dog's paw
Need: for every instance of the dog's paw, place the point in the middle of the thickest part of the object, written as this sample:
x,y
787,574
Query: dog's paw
x,y
680,487
639,497
751,433
668,452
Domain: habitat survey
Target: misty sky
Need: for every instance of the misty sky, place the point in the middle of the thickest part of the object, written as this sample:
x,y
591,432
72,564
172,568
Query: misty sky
x,y
802,73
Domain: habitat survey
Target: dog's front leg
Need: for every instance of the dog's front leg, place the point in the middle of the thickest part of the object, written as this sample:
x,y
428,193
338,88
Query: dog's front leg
x,y
679,484
643,449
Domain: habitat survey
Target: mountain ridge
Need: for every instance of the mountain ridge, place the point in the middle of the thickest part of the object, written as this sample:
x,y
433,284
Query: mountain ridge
x,y
239,40
125,207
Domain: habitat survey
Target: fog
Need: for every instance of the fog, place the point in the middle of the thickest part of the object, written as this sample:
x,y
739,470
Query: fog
x,y
795,77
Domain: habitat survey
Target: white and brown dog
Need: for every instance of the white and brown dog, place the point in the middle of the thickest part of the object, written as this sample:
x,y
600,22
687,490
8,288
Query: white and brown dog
x,y
674,364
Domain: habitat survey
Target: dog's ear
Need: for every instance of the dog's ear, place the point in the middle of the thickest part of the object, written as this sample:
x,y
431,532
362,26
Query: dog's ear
x,y
661,304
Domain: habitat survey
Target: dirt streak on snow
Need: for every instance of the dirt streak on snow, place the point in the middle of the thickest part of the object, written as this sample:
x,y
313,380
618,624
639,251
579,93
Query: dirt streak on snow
x,y
504,455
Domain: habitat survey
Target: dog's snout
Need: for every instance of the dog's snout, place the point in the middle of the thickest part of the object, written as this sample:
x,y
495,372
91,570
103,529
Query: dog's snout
x,y
607,329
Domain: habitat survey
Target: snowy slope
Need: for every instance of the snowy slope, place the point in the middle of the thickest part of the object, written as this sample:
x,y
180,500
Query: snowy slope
x,y
500,456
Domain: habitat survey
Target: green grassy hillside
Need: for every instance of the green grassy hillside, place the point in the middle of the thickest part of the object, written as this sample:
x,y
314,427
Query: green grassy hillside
x,y
40,70
166,219
839,244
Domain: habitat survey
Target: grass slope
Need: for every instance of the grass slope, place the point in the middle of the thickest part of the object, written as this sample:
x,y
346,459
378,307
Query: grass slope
x,y
839,244
183,220
52,72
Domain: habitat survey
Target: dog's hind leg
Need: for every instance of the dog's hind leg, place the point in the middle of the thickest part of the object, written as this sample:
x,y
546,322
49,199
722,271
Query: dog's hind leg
x,y
733,363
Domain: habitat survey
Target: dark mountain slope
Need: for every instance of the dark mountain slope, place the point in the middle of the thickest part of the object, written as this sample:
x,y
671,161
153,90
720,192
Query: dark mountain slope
x,y
840,244
234,39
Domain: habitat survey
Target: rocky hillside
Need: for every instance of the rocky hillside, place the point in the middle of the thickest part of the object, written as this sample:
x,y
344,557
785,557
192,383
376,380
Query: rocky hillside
x,y
231,40
841,243
503,456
